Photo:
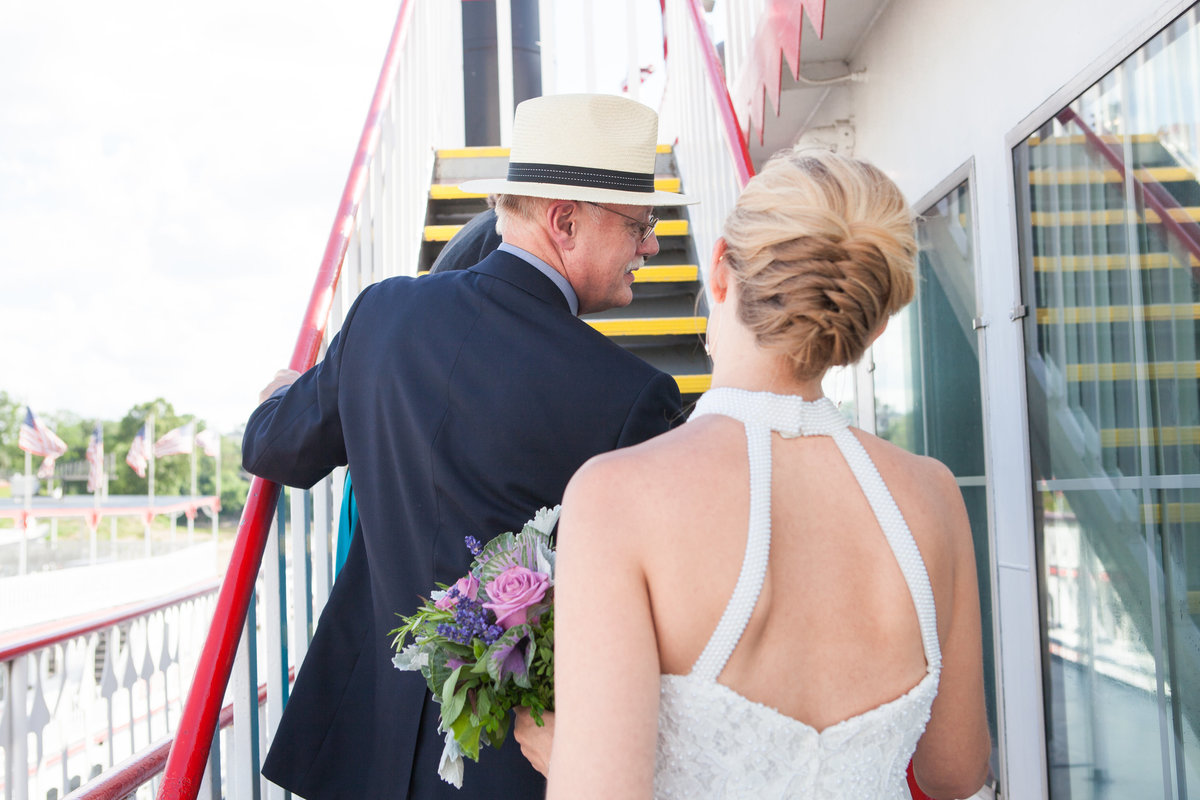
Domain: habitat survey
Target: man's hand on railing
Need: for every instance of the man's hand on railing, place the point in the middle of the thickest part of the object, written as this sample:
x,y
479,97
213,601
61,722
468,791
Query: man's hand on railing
x,y
284,377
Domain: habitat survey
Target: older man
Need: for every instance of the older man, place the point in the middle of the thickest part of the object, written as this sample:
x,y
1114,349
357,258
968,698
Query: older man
x,y
463,402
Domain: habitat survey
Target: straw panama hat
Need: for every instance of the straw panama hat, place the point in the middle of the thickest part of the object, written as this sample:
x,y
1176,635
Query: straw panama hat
x,y
595,147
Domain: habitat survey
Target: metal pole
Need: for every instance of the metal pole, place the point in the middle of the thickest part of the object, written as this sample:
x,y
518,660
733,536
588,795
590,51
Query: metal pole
x,y
150,446
191,517
504,69
23,564
633,71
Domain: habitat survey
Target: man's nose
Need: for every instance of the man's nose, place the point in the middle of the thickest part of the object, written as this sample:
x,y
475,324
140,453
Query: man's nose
x,y
649,246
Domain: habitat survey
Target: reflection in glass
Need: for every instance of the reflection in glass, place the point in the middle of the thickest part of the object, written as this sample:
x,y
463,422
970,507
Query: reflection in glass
x,y
927,383
1108,206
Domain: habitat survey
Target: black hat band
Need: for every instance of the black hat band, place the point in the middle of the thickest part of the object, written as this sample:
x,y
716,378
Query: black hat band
x,y
581,176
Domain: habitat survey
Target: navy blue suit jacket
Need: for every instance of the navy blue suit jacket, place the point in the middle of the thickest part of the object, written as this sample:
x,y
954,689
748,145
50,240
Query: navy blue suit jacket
x,y
463,402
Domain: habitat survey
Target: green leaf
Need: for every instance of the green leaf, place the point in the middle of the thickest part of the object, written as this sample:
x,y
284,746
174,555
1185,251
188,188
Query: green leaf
x,y
467,736
454,708
448,686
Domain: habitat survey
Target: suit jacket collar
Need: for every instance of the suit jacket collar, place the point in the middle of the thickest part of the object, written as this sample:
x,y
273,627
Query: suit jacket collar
x,y
524,276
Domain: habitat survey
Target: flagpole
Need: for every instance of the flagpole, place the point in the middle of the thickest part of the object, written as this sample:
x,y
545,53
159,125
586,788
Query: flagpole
x,y
191,517
150,446
217,502
23,566
96,496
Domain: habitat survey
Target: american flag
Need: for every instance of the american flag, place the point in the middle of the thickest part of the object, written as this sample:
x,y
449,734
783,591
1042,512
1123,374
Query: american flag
x,y
175,442
39,440
46,470
139,453
209,440
95,458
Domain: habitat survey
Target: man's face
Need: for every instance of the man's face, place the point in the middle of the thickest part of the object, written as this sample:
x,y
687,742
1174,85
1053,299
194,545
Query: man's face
x,y
610,247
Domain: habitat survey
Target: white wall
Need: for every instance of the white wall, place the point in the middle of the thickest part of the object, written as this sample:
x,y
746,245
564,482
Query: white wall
x,y
958,81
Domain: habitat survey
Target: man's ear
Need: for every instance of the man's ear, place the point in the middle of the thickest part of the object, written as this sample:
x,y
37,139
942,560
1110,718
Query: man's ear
x,y
718,274
562,223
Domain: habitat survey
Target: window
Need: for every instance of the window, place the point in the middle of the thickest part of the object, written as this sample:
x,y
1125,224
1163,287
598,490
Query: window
x,y
1108,205
927,383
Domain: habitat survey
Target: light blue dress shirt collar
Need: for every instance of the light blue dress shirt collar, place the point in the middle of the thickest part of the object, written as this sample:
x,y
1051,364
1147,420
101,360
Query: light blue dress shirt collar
x,y
562,283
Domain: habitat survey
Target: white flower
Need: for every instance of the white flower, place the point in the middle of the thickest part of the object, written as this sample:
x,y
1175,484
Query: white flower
x,y
450,768
545,562
545,519
411,659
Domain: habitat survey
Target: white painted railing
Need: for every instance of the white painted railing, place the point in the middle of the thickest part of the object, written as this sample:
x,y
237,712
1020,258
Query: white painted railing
x,y
714,162
76,699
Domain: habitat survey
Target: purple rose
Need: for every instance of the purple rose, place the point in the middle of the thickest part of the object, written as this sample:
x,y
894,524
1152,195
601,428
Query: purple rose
x,y
513,591
465,587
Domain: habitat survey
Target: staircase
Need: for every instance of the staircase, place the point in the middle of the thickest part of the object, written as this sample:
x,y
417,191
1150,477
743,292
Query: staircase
x,y
666,321
1105,328
1114,375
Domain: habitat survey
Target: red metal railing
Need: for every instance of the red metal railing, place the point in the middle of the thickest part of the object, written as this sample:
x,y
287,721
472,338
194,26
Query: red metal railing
x,y
189,752
1157,198
739,150
141,767
19,647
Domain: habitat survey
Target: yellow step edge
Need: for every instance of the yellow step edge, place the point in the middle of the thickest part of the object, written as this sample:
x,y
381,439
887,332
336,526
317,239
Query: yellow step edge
x,y
1176,512
650,326
1044,176
671,227
679,273
503,152
440,233
1168,370
474,152
675,273
693,384
1155,437
1108,138
1074,315
1115,261
1111,216
448,191
665,227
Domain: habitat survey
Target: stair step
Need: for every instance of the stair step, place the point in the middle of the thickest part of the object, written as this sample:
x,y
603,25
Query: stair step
x,y
667,273
450,191
650,326
1176,512
501,152
1074,315
1112,216
693,384
1163,370
1155,437
1079,138
1115,261
1043,176
665,227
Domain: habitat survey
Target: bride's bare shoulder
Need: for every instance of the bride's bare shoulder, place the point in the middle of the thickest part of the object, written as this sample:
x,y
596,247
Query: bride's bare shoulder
x,y
637,480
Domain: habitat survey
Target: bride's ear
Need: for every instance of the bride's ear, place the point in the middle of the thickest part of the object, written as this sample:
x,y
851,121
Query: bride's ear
x,y
718,274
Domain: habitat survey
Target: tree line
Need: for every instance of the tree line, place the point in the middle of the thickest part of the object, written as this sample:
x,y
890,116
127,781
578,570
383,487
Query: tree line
x,y
172,474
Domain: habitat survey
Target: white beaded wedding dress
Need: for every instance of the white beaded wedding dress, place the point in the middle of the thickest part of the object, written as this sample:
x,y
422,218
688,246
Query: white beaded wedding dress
x,y
715,743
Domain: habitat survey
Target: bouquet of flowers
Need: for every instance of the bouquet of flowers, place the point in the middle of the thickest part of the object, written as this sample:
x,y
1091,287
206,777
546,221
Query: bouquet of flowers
x,y
486,644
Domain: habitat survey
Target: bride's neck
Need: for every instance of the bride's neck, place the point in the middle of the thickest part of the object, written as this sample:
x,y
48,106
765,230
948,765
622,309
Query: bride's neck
x,y
757,371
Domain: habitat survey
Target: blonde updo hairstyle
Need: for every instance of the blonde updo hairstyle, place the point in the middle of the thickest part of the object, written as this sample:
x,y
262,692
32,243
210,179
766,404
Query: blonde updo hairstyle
x,y
822,248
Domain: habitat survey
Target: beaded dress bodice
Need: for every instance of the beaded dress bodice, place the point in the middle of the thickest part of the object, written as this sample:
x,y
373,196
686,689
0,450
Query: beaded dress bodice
x,y
715,743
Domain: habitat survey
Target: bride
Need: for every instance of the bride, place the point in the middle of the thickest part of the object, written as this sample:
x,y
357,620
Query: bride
x,y
744,608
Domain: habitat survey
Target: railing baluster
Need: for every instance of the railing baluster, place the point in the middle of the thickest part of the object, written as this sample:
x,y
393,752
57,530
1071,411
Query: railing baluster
x,y
16,770
301,586
322,526
275,623
244,763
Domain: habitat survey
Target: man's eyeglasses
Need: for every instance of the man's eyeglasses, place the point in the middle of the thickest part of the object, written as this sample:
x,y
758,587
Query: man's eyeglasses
x,y
645,228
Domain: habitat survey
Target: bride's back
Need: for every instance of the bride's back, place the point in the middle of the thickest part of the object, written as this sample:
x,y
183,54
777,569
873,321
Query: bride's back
x,y
817,254
835,631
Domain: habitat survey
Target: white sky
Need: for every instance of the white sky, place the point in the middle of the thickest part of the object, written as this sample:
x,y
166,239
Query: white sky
x,y
168,178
